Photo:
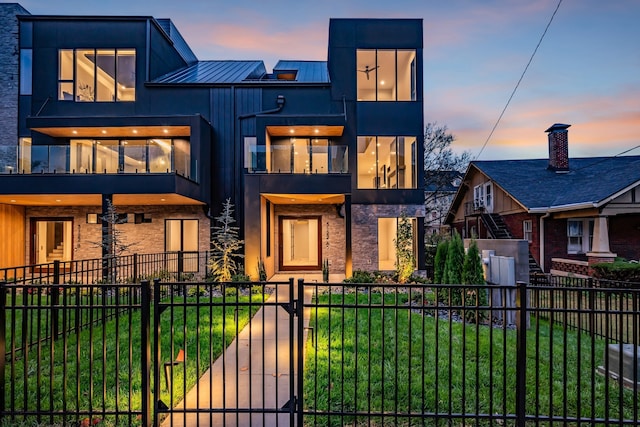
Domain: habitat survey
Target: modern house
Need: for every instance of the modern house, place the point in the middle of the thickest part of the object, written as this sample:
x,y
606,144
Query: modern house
x,y
319,158
573,211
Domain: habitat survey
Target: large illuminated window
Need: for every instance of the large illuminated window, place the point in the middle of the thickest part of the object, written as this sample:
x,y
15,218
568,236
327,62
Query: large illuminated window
x,y
386,75
386,162
96,75
387,235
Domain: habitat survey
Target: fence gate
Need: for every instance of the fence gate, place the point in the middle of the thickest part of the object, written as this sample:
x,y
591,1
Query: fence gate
x,y
196,382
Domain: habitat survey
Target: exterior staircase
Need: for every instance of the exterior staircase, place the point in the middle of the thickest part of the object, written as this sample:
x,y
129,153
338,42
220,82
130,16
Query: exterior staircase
x,y
498,230
496,226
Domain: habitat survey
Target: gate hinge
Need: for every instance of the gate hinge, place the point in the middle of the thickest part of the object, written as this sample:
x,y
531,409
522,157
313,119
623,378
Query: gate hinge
x,y
290,307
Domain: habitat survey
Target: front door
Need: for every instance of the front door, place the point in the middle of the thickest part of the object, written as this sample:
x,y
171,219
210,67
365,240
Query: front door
x,y
51,240
300,243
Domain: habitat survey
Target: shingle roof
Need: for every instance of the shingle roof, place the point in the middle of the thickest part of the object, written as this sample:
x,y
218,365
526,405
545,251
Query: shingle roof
x,y
307,71
210,72
590,180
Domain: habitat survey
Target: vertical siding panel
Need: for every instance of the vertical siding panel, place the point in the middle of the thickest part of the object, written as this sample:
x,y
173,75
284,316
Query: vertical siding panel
x,y
12,236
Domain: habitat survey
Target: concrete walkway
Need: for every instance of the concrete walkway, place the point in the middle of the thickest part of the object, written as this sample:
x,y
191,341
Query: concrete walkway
x,y
246,376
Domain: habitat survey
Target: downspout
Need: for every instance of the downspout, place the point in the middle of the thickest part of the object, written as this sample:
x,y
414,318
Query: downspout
x,y
280,105
541,230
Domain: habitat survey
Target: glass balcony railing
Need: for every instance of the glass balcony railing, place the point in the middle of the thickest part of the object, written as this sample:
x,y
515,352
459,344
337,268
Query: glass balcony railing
x,y
99,157
292,159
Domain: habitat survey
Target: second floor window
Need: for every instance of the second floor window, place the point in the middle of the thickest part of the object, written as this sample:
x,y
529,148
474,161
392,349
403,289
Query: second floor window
x,y
387,162
96,75
386,75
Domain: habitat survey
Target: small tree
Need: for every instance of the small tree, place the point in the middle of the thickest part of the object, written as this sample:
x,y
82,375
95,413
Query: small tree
x,y
453,266
439,262
406,262
472,274
225,245
113,242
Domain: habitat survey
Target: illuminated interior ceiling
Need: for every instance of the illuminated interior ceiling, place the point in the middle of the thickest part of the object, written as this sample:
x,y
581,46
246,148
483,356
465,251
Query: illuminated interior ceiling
x,y
116,132
96,199
306,130
305,199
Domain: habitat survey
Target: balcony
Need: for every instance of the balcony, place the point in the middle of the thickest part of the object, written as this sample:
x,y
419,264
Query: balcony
x,y
474,208
100,157
297,159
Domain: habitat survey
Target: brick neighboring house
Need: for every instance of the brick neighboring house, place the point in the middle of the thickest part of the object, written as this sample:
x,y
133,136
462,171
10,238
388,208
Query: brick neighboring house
x,y
573,211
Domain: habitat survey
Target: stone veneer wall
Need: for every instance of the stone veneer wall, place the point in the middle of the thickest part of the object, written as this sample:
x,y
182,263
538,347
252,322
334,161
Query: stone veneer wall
x,y
333,248
9,79
148,237
364,230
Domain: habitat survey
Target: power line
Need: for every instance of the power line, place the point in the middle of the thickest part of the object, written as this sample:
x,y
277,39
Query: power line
x,y
606,159
520,80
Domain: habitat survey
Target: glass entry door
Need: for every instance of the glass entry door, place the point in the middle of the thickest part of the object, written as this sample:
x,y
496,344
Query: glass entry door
x,y
300,245
51,240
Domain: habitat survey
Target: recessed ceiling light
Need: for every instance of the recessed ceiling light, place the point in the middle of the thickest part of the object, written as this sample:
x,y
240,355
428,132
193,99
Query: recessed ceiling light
x,y
58,200
13,200
163,200
292,131
75,132
293,200
382,82
135,131
316,131
165,130
104,131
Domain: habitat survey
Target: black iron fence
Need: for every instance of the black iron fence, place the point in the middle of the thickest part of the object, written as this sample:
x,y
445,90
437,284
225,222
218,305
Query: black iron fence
x,y
346,354
168,266
587,305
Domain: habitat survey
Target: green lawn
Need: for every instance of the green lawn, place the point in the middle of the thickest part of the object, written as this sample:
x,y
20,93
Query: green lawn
x,y
398,360
102,372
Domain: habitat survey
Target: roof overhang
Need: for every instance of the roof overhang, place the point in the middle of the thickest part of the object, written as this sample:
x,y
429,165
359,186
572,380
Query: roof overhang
x,y
305,131
304,199
562,208
115,132
96,199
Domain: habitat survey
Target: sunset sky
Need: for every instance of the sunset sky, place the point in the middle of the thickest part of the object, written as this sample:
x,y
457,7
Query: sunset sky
x,y
586,72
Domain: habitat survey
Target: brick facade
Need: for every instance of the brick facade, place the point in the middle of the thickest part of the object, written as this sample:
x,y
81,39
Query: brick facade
x,y
624,236
569,267
364,223
148,237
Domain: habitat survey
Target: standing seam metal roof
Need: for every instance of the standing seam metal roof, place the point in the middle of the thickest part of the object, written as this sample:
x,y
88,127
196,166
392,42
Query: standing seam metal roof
x,y
209,72
307,71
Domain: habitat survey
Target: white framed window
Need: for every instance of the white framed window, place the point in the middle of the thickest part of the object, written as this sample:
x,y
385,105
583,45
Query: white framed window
x,y
527,230
478,197
488,196
579,235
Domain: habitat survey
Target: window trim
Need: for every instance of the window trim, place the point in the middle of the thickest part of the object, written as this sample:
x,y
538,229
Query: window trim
x,y
412,75
94,97
379,177
585,243
527,230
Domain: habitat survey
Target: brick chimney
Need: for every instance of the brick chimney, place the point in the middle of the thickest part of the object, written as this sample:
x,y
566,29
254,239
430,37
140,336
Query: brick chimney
x,y
558,148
